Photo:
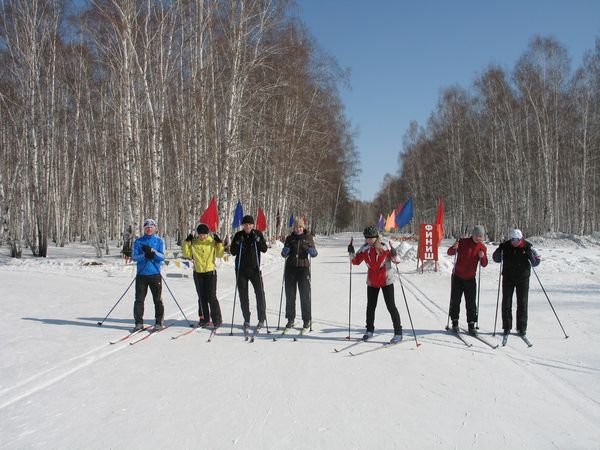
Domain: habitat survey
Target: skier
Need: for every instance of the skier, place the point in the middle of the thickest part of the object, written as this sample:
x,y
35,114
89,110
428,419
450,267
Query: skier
x,y
204,249
380,275
246,245
298,246
471,251
517,257
148,253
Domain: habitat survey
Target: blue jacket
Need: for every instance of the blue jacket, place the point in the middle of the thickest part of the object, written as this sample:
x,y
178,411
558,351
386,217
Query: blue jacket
x,y
147,266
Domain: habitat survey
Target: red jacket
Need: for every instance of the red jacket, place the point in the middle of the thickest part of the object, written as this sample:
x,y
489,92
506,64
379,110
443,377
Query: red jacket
x,y
468,257
380,272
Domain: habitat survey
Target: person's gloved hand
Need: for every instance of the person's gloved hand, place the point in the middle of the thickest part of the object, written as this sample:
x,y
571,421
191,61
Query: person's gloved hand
x,y
351,249
285,252
148,251
311,251
393,252
217,239
190,237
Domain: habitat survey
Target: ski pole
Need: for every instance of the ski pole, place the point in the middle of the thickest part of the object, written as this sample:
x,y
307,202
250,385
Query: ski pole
x,y
406,303
451,283
171,292
349,302
498,296
281,297
237,276
262,287
121,297
478,288
548,298
118,301
350,292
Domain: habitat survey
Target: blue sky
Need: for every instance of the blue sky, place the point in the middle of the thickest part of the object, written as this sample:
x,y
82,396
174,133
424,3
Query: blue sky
x,y
402,54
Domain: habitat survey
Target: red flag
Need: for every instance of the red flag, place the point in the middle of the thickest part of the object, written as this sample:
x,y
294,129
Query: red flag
x,y
261,220
439,220
211,216
440,214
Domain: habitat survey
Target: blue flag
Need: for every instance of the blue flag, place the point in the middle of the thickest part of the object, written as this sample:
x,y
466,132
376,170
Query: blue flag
x,y
291,222
238,215
405,215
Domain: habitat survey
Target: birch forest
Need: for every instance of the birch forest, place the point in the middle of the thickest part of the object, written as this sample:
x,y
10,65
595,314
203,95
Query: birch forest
x,y
112,111
125,109
515,149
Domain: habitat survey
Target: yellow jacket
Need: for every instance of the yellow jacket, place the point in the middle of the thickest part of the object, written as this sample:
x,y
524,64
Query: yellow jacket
x,y
203,252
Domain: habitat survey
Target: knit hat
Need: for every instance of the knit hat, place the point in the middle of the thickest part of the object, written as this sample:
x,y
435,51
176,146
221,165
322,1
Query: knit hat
x,y
150,223
515,233
299,223
248,219
202,229
478,230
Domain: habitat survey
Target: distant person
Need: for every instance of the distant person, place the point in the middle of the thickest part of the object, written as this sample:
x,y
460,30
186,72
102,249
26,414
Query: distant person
x,y
247,245
471,252
204,249
378,257
517,257
148,253
298,246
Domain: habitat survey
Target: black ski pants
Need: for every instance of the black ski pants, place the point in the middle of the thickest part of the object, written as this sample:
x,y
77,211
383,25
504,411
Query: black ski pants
x,y
297,277
208,305
255,277
469,289
142,283
388,296
509,285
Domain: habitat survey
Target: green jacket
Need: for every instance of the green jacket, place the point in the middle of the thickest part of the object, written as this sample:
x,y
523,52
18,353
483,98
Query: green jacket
x,y
203,252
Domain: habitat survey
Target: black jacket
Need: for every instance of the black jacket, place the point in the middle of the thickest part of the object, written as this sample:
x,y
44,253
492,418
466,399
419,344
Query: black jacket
x,y
516,261
251,246
299,245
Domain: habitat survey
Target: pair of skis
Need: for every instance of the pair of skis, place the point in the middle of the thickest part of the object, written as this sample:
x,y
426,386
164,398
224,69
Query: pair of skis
x,y
381,346
522,336
459,335
150,331
249,337
213,333
138,335
286,332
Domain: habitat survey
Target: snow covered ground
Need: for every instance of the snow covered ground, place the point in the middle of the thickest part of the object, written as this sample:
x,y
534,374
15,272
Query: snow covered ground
x,y
63,386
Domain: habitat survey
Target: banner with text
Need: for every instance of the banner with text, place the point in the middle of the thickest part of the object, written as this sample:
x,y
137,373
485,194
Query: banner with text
x,y
429,241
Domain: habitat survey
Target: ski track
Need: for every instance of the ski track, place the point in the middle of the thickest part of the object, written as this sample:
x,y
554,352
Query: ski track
x,y
544,376
54,374
62,370
544,373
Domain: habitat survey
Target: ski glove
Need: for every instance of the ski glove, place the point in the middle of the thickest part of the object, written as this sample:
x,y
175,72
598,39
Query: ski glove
x,y
311,251
285,252
393,252
148,251
534,258
217,239
351,249
190,237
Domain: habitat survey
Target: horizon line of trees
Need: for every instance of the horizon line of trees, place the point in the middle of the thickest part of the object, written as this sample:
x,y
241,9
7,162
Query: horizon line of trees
x,y
125,109
518,149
